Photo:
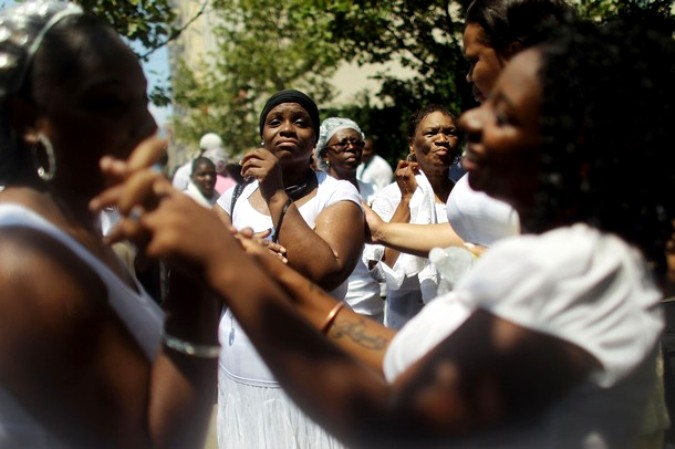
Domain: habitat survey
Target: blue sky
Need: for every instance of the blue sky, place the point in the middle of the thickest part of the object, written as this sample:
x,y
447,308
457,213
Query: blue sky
x,y
157,72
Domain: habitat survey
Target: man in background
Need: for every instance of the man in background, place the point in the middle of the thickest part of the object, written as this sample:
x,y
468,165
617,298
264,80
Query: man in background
x,y
211,146
374,168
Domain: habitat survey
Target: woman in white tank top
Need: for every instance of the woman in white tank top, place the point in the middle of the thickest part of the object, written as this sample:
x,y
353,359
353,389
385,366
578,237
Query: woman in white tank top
x,y
319,222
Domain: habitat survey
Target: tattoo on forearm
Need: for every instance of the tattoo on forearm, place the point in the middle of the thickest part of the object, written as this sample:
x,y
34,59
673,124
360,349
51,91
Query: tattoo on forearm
x,y
357,332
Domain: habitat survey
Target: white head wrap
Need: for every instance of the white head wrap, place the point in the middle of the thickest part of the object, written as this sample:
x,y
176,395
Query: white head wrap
x,y
22,30
328,128
210,141
212,146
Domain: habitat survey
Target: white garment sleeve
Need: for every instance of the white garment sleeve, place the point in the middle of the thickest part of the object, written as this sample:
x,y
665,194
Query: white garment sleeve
x,y
225,200
385,203
343,191
578,285
182,176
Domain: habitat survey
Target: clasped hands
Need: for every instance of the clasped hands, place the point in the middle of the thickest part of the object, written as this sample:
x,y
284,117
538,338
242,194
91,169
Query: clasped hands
x,y
164,222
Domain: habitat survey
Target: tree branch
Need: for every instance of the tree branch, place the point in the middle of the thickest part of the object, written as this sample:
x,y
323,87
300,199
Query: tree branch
x,y
177,31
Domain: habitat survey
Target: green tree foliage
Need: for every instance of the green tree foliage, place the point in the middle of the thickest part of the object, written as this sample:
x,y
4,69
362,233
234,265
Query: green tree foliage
x,y
147,23
423,36
268,45
263,47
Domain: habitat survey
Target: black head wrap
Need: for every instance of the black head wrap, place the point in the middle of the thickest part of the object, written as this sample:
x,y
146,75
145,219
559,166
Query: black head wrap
x,y
292,96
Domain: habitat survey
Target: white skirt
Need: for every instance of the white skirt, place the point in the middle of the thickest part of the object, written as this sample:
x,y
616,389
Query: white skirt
x,y
251,417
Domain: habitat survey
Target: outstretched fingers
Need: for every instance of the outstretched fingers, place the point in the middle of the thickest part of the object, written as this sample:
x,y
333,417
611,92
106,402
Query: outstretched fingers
x,y
141,194
148,153
146,156
138,189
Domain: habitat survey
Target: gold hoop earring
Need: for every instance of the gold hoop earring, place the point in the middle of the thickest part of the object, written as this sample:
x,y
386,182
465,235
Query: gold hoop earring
x,y
45,173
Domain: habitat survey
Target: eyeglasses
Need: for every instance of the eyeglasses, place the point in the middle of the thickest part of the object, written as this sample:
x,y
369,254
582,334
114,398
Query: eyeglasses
x,y
344,143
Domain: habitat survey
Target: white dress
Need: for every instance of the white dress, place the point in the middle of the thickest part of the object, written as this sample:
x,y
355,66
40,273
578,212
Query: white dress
x,y
138,311
578,285
253,411
412,281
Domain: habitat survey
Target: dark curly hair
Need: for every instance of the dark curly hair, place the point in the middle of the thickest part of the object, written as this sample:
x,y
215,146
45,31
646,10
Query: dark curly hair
x,y
525,22
608,125
420,114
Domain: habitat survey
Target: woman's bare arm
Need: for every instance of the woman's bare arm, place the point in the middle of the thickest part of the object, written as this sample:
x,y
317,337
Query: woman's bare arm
x,y
365,339
479,377
473,380
69,360
417,239
328,253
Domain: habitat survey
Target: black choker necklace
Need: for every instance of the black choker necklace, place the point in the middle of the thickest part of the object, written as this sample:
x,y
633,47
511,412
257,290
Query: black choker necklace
x,y
297,190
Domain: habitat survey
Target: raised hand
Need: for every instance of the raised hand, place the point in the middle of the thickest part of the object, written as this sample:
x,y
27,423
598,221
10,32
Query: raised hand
x,y
405,177
115,171
264,166
155,215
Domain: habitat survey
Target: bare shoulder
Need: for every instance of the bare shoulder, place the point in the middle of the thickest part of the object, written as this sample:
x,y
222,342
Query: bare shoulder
x,y
61,340
47,290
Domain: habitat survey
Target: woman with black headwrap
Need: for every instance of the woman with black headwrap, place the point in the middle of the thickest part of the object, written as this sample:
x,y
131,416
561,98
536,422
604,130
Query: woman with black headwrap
x,y
319,222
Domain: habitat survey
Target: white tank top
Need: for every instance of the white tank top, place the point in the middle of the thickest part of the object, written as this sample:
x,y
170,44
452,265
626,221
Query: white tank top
x,y
239,359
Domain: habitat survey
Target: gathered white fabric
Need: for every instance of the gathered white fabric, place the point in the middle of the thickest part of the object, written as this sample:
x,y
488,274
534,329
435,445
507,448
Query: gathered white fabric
x,y
181,177
423,210
478,218
363,291
378,171
367,191
575,284
138,311
264,418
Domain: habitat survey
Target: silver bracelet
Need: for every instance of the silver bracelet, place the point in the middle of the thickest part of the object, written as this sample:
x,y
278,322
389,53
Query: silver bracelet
x,y
186,347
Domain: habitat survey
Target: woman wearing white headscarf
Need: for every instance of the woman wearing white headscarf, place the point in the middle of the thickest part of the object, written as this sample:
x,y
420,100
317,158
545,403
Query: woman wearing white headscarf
x,y
338,152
